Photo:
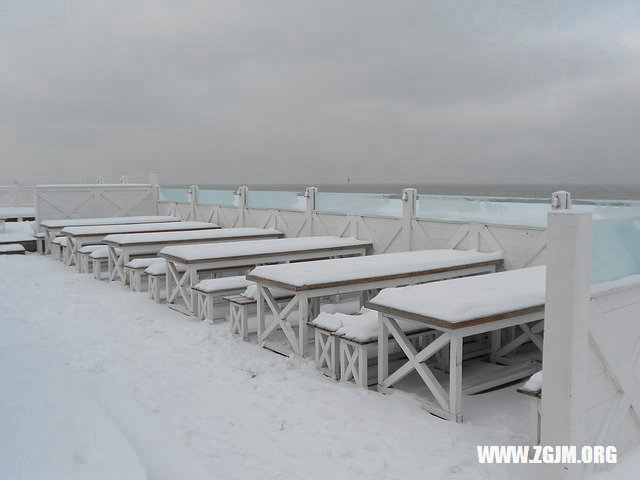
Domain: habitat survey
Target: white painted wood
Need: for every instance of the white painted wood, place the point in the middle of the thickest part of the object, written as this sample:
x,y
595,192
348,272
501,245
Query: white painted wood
x,y
566,332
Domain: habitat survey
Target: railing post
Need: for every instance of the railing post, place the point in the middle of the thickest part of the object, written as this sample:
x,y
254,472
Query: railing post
x,y
193,200
101,180
155,187
409,196
124,179
310,196
15,193
242,205
566,337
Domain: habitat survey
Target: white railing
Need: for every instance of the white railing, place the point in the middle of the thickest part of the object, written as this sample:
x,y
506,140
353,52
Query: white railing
x,y
522,246
17,196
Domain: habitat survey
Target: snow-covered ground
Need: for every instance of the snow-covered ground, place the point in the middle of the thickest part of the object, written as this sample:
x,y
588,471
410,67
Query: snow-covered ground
x,y
87,364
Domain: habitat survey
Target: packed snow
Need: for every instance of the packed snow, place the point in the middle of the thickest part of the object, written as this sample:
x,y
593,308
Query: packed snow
x,y
103,252
468,298
81,222
259,247
11,247
17,212
361,326
252,292
137,228
89,248
371,266
534,383
143,262
193,402
224,283
160,268
204,235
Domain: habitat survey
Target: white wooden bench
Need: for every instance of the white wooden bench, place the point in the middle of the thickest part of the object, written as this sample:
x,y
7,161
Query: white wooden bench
x,y
53,228
135,271
84,260
211,291
310,281
245,254
59,248
99,260
152,242
11,249
343,343
239,306
95,234
39,242
533,389
458,309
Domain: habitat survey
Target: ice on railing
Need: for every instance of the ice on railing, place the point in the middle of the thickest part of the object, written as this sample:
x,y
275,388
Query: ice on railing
x,y
616,249
373,204
527,212
276,200
217,197
174,195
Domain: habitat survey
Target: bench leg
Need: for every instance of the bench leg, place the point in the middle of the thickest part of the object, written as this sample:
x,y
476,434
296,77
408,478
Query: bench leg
x,y
209,308
353,363
244,322
326,353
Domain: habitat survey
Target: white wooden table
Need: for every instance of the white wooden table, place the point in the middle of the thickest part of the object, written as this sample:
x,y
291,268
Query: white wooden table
x,y
309,281
52,228
151,243
198,258
461,308
95,234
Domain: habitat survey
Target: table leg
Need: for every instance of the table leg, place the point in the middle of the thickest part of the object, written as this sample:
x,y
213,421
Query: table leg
x,y
455,375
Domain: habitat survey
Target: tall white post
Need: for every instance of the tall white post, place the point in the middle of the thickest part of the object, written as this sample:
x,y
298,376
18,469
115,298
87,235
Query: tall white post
x,y
310,195
409,196
153,178
566,337
193,200
101,180
242,205
124,179
153,181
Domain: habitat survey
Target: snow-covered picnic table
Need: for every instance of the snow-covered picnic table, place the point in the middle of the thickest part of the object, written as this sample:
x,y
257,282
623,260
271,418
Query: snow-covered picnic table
x,y
309,281
94,234
17,213
246,254
150,243
461,308
52,228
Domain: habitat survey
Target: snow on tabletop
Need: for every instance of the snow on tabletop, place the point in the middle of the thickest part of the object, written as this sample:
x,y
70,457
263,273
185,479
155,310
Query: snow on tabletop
x,y
11,247
17,212
361,326
137,227
144,262
468,298
103,252
61,241
534,384
79,222
89,248
342,269
252,292
160,237
224,283
160,268
258,247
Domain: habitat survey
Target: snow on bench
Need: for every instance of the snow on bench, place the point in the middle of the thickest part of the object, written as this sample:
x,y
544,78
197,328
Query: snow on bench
x,y
239,306
155,273
533,389
12,249
214,289
27,240
135,271
84,255
99,258
341,342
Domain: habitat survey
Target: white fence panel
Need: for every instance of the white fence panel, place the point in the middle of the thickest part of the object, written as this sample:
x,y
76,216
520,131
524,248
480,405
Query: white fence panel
x,y
99,200
17,196
613,378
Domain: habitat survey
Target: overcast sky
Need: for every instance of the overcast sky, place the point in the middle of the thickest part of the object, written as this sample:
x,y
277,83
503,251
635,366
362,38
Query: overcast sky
x,y
308,92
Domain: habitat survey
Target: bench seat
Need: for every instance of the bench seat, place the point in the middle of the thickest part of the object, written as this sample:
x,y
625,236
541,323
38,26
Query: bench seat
x,y
84,263
239,306
342,341
12,249
212,291
99,258
135,270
